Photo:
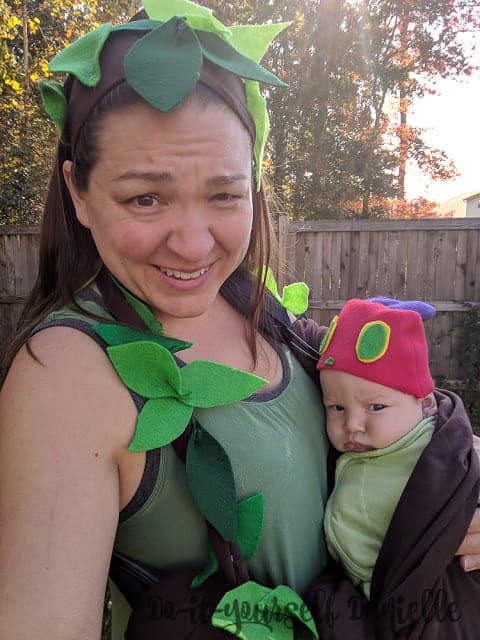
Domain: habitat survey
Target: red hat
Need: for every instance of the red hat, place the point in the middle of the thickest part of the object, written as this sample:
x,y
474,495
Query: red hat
x,y
380,344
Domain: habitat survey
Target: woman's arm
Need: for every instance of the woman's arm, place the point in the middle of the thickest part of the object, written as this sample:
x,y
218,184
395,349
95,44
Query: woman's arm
x,y
61,426
470,548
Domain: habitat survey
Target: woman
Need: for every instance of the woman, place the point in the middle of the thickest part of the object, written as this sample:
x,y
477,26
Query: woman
x,y
163,199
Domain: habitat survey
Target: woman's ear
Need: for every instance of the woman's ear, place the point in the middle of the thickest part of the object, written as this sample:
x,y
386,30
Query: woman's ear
x,y
429,406
77,196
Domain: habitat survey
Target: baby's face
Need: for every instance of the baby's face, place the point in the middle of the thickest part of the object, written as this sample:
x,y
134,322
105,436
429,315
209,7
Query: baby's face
x,y
363,415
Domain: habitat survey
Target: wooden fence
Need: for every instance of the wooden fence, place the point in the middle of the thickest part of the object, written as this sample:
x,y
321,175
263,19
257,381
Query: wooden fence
x,y
433,260
18,269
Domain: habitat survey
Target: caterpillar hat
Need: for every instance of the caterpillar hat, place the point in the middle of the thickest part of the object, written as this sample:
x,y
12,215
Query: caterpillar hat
x,y
381,344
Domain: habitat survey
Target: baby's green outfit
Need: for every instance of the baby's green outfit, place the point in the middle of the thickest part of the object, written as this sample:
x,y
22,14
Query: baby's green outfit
x,y
368,486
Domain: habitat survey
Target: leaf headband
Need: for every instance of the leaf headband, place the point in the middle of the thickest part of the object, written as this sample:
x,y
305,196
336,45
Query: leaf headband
x,y
164,65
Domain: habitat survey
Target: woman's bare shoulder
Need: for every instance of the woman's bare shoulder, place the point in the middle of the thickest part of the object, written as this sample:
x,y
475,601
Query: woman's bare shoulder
x,y
67,374
62,420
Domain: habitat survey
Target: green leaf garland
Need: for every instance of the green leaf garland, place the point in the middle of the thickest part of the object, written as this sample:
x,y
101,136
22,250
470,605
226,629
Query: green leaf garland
x,y
294,296
55,103
211,482
82,57
149,369
268,614
117,334
169,59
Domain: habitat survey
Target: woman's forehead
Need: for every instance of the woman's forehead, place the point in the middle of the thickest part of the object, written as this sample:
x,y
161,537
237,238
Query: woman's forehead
x,y
190,122
138,133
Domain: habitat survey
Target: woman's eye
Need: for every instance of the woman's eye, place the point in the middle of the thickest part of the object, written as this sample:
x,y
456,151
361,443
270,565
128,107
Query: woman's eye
x,y
145,200
376,407
226,197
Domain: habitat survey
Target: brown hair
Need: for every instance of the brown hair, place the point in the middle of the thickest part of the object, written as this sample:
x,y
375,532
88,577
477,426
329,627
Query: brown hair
x,y
68,257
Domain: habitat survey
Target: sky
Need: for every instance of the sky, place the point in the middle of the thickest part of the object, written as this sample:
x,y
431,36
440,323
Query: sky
x,y
451,120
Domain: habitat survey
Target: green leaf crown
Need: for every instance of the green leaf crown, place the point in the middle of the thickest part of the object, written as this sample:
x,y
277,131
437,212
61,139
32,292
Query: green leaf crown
x,y
164,65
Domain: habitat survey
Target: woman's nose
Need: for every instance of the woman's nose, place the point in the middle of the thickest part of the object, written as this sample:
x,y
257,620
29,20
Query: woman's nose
x,y
192,239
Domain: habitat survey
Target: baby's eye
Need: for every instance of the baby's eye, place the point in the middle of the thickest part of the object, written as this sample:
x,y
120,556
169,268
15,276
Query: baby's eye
x,y
336,407
376,407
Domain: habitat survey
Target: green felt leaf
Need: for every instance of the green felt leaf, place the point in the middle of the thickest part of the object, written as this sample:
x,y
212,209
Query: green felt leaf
x,y
166,9
224,55
138,25
164,66
116,334
144,367
210,568
253,40
159,423
295,297
81,58
210,24
141,309
211,482
211,384
270,282
55,103
250,524
268,616
257,106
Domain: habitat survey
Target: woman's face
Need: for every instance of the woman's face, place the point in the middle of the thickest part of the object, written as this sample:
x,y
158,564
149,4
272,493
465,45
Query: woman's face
x,y
169,203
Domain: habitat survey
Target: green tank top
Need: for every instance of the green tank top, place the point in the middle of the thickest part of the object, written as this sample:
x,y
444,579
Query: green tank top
x,y
277,446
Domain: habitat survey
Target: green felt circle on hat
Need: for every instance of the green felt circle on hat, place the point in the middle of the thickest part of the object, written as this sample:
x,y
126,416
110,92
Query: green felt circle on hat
x,y
327,338
372,342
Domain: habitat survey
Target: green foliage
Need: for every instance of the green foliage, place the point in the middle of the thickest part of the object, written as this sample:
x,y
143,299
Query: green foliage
x,y
335,148
30,34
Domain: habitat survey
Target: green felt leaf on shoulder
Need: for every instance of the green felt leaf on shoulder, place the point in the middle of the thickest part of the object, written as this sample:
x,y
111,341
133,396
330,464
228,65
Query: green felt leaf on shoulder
x,y
224,55
295,297
208,23
164,66
55,103
270,282
257,105
210,568
138,25
269,615
81,58
144,367
253,40
159,423
211,482
250,524
142,309
116,334
166,9
211,384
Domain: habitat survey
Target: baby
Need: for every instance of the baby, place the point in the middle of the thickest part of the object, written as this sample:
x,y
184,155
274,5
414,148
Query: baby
x,y
380,410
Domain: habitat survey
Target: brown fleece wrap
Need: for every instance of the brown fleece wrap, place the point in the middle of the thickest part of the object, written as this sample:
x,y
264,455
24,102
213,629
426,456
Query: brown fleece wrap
x,y
82,100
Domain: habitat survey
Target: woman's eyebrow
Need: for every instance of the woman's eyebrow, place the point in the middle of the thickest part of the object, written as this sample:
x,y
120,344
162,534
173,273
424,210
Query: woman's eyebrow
x,y
226,179
150,176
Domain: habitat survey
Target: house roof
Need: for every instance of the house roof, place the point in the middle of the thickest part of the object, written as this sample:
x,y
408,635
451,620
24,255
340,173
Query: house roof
x,y
474,196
